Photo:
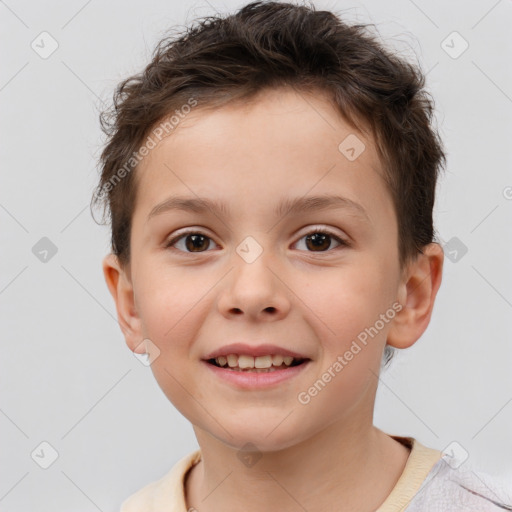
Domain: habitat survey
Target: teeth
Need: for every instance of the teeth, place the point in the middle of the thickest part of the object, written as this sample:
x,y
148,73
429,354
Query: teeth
x,y
261,362
277,360
232,360
245,362
288,360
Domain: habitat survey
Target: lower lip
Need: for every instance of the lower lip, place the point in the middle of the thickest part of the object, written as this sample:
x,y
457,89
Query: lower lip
x,y
255,380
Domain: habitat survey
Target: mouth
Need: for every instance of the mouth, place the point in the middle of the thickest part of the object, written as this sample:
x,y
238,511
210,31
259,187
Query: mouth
x,y
266,371
260,364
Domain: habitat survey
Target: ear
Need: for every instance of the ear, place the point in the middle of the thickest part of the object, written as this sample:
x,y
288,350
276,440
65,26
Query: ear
x,y
121,288
417,294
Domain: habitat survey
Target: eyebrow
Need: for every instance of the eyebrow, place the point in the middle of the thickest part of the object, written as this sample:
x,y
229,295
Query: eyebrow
x,y
287,206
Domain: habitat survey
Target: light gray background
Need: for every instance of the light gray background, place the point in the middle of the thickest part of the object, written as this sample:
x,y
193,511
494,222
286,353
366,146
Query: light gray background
x,y
68,378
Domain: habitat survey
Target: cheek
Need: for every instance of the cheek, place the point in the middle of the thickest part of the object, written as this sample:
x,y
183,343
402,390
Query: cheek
x,y
348,309
350,297
169,305
171,309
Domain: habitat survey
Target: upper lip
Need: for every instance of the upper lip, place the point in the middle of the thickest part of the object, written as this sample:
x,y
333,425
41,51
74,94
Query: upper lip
x,y
253,350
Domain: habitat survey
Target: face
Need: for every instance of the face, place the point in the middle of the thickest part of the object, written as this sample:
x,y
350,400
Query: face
x,y
309,281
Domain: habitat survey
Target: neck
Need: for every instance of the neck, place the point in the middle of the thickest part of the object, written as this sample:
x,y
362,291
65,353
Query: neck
x,y
355,467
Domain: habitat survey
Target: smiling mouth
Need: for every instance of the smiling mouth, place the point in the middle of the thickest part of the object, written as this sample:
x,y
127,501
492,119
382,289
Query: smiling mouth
x,y
272,368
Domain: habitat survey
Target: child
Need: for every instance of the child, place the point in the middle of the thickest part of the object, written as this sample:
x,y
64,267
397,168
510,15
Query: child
x,y
298,152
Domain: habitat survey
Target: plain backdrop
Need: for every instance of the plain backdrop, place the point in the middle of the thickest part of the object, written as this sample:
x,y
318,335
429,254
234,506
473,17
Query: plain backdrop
x,y
73,396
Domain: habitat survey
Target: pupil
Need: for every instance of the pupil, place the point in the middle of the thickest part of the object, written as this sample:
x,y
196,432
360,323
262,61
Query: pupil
x,y
318,239
195,239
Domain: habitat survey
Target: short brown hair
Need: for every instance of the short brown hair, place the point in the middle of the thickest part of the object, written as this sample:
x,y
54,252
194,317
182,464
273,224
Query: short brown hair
x,y
267,45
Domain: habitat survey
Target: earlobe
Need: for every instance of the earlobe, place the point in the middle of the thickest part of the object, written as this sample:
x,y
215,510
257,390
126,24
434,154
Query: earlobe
x,y
417,295
121,289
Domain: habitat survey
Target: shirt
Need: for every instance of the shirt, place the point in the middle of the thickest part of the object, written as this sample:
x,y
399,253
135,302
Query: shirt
x,y
430,482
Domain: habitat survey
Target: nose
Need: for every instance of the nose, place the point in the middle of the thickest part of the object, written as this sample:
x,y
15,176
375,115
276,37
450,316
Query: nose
x,y
254,291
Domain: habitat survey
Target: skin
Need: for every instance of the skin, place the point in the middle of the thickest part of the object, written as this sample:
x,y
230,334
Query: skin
x,y
316,302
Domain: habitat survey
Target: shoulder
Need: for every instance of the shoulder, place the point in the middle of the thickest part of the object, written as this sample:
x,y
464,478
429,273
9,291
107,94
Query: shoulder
x,y
167,493
142,500
458,489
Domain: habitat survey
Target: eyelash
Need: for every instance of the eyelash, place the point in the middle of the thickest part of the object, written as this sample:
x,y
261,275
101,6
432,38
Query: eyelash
x,y
342,242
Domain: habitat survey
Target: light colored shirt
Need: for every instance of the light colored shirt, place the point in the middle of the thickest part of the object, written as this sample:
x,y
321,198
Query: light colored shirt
x,y
430,482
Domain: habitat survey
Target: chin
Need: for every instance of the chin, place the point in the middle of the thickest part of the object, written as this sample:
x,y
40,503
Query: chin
x,y
262,437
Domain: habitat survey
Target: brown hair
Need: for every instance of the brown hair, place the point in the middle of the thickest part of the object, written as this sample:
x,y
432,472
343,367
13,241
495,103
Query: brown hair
x,y
267,45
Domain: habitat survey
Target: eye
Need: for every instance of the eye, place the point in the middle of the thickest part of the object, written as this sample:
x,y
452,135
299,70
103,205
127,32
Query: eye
x,y
320,240
194,241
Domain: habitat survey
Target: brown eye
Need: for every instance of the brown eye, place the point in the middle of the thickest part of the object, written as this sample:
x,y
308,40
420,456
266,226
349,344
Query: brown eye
x,y
193,242
320,241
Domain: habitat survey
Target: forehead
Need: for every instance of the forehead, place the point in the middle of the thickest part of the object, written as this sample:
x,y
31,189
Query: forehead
x,y
282,141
